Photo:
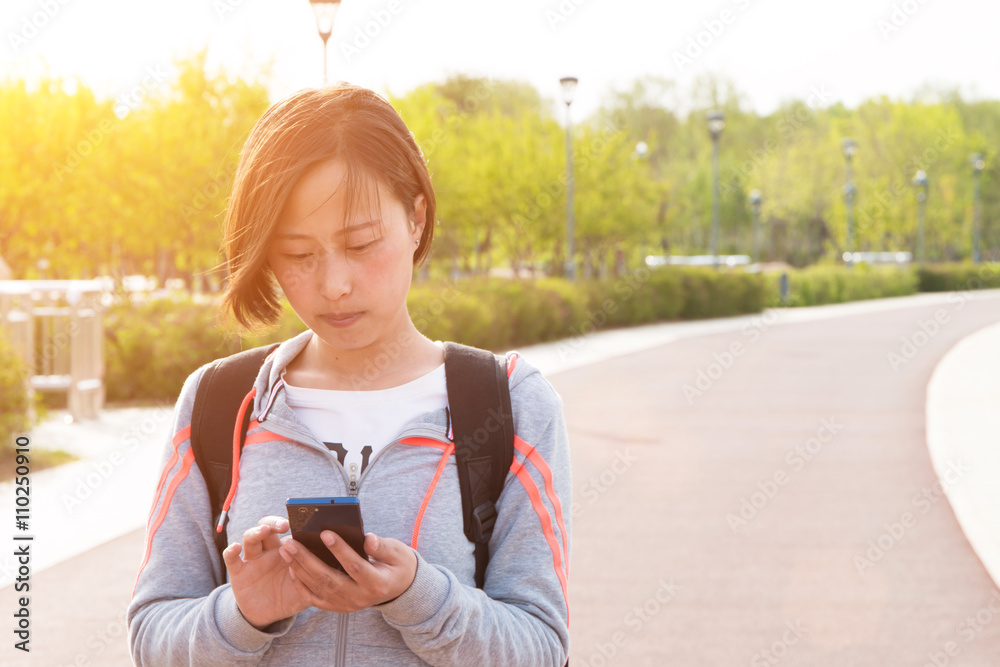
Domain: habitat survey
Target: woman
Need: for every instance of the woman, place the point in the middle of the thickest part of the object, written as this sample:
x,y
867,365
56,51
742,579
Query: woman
x,y
332,202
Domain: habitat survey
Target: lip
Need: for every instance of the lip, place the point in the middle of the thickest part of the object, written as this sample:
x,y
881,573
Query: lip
x,y
341,320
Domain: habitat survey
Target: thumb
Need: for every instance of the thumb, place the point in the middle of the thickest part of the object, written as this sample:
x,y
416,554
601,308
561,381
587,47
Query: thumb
x,y
386,550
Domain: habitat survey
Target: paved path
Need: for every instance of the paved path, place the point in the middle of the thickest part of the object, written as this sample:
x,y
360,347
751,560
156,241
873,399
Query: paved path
x,y
837,559
659,574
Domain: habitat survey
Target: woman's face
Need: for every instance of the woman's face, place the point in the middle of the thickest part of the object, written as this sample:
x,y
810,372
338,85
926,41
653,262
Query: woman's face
x,y
346,276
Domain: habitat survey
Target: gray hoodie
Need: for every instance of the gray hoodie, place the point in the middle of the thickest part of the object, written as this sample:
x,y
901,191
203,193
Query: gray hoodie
x,y
183,611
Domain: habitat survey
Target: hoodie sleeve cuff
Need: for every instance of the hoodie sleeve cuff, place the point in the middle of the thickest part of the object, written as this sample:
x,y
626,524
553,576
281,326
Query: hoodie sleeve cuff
x,y
238,631
422,600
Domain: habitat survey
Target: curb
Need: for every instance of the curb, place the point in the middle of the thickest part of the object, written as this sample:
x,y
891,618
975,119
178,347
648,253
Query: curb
x,y
963,398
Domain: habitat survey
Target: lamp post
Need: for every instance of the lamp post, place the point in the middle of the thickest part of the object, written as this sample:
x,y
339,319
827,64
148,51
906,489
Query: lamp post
x,y
920,181
325,11
850,147
569,89
755,200
716,121
977,173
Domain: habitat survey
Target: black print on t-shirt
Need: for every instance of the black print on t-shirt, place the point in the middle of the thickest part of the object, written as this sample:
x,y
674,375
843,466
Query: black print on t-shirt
x,y
339,448
366,453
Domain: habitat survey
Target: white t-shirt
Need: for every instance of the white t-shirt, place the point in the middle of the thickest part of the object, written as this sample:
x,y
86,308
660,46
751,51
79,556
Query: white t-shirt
x,y
355,425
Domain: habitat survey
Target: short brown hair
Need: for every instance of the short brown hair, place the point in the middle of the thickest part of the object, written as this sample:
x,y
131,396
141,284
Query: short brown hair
x,y
344,122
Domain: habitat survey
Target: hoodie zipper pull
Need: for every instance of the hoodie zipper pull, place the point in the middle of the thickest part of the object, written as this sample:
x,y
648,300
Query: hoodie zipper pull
x,y
352,488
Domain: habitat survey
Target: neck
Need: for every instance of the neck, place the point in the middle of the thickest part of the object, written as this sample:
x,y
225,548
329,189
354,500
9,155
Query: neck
x,y
391,360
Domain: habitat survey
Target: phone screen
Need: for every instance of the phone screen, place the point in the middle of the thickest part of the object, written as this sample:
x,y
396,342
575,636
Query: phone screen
x,y
308,517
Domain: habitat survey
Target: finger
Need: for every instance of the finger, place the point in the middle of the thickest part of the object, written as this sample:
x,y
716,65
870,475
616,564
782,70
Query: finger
x,y
279,523
276,526
253,539
307,594
312,571
231,557
358,568
304,591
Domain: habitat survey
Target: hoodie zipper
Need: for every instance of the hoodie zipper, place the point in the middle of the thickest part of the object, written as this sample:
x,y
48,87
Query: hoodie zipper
x,y
341,658
353,487
352,484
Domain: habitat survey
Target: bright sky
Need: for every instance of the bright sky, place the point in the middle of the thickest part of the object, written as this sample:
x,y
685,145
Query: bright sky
x,y
773,49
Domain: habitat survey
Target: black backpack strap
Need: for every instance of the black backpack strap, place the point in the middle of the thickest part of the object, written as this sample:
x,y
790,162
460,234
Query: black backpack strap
x,y
221,391
483,428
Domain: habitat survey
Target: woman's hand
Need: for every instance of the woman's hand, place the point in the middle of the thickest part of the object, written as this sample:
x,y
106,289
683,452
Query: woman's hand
x,y
264,592
387,575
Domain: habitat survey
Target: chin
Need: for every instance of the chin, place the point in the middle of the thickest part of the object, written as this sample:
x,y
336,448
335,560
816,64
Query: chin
x,y
343,340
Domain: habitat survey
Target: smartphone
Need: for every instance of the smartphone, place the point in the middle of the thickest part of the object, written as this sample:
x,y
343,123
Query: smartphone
x,y
310,516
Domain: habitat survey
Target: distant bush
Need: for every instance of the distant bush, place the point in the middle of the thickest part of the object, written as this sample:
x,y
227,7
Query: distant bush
x,y
15,417
817,285
957,277
151,347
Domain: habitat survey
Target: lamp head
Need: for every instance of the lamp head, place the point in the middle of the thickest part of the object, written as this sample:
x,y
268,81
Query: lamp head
x,y
568,88
325,11
716,122
850,147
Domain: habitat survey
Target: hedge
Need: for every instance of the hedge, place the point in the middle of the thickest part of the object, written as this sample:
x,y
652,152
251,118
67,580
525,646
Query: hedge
x,y
817,285
153,347
956,277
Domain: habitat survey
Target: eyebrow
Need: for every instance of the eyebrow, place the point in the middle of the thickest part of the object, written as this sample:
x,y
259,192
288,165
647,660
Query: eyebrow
x,y
341,232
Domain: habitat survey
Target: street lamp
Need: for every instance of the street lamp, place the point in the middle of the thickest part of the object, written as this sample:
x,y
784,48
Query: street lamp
x,y
716,121
850,148
325,10
755,200
977,172
920,181
568,90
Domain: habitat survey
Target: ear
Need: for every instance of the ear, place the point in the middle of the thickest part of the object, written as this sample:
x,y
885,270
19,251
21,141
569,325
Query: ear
x,y
419,216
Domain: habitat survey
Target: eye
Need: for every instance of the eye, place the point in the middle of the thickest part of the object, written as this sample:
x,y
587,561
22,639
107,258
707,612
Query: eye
x,y
363,246
298,258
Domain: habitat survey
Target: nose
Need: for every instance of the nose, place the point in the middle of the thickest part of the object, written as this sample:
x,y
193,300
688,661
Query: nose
x,y
335,276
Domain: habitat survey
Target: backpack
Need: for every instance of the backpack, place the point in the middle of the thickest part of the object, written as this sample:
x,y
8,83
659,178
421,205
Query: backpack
x,y
479,400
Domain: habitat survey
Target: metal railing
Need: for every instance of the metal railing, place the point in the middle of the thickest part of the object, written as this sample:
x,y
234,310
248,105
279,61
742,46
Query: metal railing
x,y
56,327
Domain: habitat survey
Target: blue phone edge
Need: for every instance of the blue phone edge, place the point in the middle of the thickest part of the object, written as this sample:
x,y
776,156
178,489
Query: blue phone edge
x,y
325,500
